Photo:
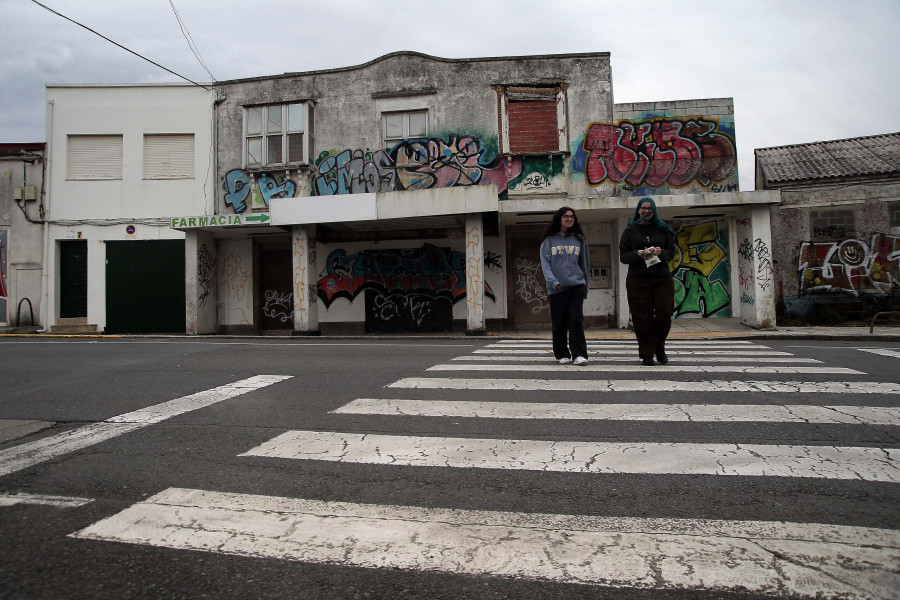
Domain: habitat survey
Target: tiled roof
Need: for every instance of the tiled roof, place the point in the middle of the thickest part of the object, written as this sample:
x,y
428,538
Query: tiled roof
x,y
871,155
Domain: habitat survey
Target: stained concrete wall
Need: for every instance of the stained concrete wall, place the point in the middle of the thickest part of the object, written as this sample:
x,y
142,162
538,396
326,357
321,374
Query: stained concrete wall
x,y
463,110
856,263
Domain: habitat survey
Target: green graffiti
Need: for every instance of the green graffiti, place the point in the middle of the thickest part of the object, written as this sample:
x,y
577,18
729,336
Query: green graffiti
x,y
694,293
547,167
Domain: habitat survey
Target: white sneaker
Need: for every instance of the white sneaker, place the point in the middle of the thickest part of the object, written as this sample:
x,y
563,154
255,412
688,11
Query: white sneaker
x,y
565,361
580,360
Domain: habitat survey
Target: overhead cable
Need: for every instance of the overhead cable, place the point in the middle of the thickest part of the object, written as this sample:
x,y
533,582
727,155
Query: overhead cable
x,y
190,41
119,45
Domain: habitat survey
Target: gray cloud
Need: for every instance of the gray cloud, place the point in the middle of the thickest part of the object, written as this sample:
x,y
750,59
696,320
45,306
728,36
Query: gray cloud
x,y
798,71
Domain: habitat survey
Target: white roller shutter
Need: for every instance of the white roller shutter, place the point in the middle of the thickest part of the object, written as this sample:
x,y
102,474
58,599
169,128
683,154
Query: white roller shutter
x,y
94,157
169,156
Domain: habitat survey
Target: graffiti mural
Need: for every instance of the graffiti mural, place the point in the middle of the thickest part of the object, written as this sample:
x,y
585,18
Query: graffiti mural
x,y
850,266
530,291
427,270
4,295
539,174
413,165
654,153
205,274
701,270
238,286
278,305
474,270
237,187
421,312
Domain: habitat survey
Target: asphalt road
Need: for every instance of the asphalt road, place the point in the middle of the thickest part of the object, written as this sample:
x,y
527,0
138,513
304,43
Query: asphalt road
x,y
418,488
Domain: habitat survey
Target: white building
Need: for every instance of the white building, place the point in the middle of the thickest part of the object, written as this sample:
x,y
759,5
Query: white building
x,y
122,160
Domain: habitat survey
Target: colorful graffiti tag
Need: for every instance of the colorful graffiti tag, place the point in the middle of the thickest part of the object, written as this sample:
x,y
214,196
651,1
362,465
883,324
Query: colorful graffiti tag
x,y
700,267
413,165
850,266
429,269
237,188
657,152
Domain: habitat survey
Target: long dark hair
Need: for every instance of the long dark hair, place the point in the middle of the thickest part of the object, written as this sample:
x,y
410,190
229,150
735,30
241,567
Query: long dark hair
x,y
659,223
555,225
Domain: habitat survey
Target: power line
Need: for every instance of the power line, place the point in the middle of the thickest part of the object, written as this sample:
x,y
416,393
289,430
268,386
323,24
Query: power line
x,y
190,41
119,45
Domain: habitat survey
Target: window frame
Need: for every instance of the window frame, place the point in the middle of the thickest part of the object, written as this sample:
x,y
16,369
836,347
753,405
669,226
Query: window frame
x,y
390,142
284,132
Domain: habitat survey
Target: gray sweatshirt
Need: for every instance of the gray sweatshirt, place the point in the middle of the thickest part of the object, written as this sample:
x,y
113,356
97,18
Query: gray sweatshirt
x,y
565,261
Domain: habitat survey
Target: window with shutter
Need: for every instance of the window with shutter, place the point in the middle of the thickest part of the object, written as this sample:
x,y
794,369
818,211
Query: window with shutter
x,y
94,157
169,156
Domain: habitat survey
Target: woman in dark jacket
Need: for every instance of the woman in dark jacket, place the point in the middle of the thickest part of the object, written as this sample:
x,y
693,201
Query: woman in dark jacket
x,y
647,245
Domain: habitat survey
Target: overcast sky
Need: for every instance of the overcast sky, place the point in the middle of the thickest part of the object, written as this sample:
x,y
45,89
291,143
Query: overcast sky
x,y
798,70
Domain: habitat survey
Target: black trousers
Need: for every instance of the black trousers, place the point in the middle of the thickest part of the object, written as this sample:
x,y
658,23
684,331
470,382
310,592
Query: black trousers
x,y
567,320
652,301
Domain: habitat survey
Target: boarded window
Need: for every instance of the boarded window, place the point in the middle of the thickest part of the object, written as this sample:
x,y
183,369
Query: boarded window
x,y
94,157
533,120
169,156
832,224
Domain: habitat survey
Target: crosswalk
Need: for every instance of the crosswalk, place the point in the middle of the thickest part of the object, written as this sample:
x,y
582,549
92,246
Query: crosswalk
x,y
518,381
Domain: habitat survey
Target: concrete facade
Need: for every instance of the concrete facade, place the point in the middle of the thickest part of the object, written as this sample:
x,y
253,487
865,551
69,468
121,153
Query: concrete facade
x,y
21,233
328,220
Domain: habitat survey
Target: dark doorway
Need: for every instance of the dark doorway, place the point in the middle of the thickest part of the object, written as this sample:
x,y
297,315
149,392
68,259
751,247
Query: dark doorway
x,y
276,270
73,279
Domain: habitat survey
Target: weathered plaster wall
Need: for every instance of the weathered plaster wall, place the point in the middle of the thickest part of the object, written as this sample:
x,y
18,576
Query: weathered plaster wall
x,y
462,144
814,265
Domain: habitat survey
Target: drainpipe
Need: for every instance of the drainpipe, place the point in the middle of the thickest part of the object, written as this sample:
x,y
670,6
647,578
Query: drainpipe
x,y
45,189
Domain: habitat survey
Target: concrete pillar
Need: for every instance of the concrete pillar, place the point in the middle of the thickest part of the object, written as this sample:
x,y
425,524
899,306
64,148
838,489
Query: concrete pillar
x,y
764,276
191,317
475,321
306,310
200,289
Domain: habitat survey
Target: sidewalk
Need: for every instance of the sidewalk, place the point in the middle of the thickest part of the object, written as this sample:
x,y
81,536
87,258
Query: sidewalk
x,y
682,329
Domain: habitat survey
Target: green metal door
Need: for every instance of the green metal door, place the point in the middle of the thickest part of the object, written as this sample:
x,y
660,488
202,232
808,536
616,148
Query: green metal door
x,y
145,286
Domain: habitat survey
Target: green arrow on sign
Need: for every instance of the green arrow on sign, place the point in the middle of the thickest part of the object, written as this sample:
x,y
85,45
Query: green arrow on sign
x,y
260,218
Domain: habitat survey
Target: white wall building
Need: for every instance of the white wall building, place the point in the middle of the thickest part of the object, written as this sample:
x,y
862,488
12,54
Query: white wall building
x,y
122,160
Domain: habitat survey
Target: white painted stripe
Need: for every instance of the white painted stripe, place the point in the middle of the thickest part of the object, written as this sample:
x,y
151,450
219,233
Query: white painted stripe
x,y
632,341
633,351
32,453
58,501
651,458
764,557
707,413
640,385
675,368
882,352
634,359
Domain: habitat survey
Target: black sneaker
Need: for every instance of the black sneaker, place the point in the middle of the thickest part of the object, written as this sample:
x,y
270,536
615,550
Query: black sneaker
x,y
648,362
661,356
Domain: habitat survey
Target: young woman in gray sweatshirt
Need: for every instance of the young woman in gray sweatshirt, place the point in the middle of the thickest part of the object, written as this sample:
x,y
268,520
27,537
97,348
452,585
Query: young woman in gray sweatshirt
x,y
566,266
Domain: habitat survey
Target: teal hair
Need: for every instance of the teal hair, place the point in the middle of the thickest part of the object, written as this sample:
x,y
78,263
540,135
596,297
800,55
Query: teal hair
x,y
656,220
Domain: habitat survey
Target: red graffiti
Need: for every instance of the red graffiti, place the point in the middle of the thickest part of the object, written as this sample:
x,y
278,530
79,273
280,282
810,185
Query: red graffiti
x,y
850,266
659,152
